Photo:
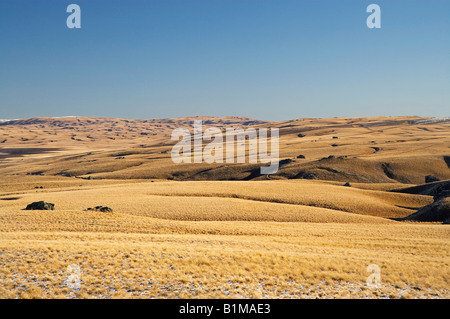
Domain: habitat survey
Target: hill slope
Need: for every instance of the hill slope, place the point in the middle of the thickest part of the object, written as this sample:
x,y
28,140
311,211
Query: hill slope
x,y
367,150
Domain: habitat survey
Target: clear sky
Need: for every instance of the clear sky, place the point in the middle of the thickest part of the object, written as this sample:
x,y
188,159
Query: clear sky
x,y
265,59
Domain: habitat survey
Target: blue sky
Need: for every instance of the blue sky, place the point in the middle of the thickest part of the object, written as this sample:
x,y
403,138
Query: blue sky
x,y
265,59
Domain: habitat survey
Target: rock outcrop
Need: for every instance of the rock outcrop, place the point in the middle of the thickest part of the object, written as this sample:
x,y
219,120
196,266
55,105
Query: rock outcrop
x,y
41,205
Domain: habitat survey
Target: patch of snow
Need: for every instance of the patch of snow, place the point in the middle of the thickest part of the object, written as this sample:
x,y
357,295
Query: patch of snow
x,y
433,120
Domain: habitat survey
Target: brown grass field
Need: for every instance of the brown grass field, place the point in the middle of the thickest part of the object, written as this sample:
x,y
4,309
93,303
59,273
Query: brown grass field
x,y
220,230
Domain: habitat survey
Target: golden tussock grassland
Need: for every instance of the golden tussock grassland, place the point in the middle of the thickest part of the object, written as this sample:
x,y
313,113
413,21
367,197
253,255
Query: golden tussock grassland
x,y
185,232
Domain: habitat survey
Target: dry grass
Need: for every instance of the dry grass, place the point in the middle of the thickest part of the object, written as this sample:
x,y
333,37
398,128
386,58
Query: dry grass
x,y
213,246
369,150
314,260
280,238
228,200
